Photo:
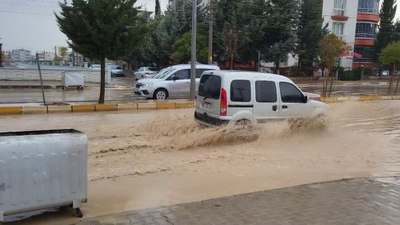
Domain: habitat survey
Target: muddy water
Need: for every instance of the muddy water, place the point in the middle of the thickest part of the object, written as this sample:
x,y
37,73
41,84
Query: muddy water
x,y
148,159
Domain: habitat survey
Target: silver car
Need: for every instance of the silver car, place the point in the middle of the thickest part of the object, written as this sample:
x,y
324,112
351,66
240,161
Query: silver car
x,y
145,72
171,82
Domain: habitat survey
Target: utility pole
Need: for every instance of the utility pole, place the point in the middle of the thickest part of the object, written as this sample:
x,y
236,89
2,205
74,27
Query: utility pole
x,y
210,34
193,60
1,54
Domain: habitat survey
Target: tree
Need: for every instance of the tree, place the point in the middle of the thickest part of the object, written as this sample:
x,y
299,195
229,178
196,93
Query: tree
x,y
391,55
330,48
396,32
166,29
101,29
309,32
386,27
282,23
230,35
63,52
182,48
158,8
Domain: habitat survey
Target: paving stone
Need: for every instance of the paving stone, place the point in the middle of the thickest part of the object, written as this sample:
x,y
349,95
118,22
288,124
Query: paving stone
x,y
351,201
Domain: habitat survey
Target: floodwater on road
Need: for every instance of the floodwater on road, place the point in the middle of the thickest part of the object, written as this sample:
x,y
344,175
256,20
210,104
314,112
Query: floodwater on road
x,y
152,158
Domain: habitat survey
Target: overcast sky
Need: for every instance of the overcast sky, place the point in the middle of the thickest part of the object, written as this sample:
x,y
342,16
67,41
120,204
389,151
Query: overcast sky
x,y
31,24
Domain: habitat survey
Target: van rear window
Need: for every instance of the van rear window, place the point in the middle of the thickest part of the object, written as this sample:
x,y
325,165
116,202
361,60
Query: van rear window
x,y
210,86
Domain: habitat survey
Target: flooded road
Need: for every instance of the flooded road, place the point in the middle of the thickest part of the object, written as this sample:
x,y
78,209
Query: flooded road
x,y
147,159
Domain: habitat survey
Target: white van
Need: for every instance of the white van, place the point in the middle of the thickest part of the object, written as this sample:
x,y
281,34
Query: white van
x,y
171,82
249,97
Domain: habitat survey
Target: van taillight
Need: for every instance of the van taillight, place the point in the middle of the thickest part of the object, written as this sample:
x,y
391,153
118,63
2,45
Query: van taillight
x,y
223,105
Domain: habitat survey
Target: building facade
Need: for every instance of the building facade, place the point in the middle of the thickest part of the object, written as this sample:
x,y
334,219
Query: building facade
x,y
356,22
21,55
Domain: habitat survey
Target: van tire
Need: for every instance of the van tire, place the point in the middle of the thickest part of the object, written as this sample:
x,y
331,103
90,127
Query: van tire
x,y
243,122
160,94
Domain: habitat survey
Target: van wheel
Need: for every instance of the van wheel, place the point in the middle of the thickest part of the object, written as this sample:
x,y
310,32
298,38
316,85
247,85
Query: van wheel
x,y
160,94
243,122
321,121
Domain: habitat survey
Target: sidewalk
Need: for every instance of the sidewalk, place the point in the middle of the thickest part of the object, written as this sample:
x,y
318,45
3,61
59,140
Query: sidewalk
x,y
353,201
34,84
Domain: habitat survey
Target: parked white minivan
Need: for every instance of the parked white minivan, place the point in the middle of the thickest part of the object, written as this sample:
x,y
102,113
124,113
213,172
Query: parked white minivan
x,y
243,97
171,82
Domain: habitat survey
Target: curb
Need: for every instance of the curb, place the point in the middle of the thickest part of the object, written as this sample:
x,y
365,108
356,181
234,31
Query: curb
x,y
359,98
50,109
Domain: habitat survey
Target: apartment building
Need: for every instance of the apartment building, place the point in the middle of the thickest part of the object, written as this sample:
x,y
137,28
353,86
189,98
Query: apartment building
x,y
356,22
46,56
21,55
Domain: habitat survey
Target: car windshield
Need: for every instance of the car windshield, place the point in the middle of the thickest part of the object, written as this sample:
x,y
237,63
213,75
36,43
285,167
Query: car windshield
x,y
152,68
163,73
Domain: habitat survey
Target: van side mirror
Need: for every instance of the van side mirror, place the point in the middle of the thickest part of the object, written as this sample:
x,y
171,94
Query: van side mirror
x,y
305,98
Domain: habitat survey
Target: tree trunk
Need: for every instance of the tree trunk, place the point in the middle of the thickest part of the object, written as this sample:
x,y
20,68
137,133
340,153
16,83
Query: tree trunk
x,y
330,85
231,61
398,79
298,68
392,77
102,80
277,67
129,65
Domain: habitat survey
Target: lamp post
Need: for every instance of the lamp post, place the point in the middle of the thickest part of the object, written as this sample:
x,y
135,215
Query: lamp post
x,y
210,34
1,55
362,72
193,60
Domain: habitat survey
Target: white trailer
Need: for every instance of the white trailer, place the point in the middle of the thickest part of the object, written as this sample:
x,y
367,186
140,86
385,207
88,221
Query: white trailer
x,y
42,169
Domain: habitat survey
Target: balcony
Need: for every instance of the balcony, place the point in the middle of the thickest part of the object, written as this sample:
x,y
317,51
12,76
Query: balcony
x,y
364,41
339,15
365,35
361,16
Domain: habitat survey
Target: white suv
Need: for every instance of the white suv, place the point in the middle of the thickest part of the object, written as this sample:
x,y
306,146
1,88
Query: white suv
x,y
171,82
250,97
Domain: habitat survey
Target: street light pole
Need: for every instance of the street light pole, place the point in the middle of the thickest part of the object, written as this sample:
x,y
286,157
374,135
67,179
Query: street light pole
x,y
193,59
210,34
1,55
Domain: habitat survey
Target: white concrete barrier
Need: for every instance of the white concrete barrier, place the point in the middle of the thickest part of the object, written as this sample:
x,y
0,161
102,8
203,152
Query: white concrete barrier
x,y
47,75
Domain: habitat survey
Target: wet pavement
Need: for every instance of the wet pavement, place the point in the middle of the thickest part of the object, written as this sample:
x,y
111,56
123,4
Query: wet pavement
x,y
132,168
352,201
120,89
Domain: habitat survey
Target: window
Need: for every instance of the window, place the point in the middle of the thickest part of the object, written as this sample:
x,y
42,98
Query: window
x,y
367,30
289,93
265,91
339,7
182,74
337,28
240,91
199,72
210,86
369,6
366,52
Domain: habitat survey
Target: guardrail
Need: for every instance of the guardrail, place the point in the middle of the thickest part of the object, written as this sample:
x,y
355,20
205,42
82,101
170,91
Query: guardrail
x,y
47,75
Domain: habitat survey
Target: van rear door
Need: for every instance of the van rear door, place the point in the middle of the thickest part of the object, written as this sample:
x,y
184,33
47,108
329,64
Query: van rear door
x,y
240,99
266,105
209,92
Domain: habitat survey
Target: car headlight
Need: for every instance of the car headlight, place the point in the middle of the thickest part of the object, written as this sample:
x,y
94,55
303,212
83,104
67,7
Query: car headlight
x,y
148,85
